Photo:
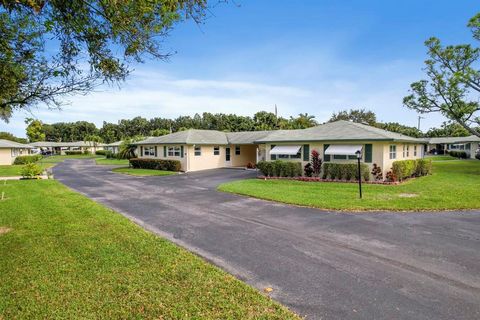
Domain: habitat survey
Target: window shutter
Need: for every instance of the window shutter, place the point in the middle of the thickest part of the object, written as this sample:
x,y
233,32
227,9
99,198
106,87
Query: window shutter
x,y
164,151
141,151
156,151
181,151
273,156
368,153
326,157
306,152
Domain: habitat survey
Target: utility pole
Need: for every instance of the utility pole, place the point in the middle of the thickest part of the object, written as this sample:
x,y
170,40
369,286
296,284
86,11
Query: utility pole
x,y
419,118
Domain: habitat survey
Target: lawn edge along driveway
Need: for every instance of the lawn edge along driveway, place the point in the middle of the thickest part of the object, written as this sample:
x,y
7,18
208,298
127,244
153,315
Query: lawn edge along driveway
x,y
453,185
68,256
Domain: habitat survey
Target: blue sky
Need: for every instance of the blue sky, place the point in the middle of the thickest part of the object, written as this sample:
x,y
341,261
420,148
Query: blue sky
x,y
317,57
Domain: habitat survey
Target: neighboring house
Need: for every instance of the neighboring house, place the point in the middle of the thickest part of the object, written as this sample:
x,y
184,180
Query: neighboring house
x,y
61,147
335,142
9,150
444,144
114,147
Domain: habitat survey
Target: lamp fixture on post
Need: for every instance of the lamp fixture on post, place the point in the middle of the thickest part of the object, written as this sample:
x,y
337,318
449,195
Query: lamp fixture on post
x,y
358,153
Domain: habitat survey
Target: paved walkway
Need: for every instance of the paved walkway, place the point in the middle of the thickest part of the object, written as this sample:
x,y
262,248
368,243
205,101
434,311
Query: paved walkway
x,y
325,265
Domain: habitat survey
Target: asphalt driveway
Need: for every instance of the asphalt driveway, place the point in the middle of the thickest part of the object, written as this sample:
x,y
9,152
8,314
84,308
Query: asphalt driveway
x,y
325,265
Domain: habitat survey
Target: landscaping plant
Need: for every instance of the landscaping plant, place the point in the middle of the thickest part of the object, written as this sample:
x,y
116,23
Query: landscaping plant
x,y
30,171
308,170
316,163
156,164
377,172
27,159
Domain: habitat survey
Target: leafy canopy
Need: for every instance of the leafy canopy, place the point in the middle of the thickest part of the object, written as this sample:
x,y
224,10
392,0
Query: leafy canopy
x,y
453,82
50,49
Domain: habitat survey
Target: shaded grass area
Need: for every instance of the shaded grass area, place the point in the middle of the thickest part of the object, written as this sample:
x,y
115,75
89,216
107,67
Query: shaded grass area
x,y
65,256
15,170
57,159
143,172
453,185
105,161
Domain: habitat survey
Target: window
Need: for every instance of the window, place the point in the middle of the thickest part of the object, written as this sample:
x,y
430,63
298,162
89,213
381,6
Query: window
x,y
237,150
148,151
403,151
14,152
216,151
291,156
174,151
408,151
198,151
344,157
414,151
393,152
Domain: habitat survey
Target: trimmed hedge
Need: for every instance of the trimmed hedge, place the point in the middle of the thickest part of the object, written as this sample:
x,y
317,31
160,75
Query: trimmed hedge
x,y
101,152
345,171
27,159
458,154
73,152
156,164
279,168
404,169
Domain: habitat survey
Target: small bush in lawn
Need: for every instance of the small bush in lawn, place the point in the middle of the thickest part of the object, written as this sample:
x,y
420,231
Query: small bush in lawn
x,y
156,164
391,177
250,165
109,154
308,170
377,172
101,152
458,154
423,167
405,169
30,171
27,159
87,152
73,152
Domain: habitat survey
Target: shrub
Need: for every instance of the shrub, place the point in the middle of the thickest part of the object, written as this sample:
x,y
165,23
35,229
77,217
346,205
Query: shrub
x,y
423,167
391,177
86,151
110,155
101,152
156,164
458,154
280,168
345,171
250,165
73,152
30,171
316,163
308,170
477,156
404,169
377,172
27,159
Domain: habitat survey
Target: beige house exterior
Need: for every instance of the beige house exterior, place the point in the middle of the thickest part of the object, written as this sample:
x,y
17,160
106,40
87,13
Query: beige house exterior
x,y
114,147
209,149
10,150
443,145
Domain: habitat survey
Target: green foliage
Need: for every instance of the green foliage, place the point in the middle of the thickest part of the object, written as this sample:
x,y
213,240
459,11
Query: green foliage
x,y
27,159
34,130
453,83
448,129
102,152
308,170
458,154
30,171
8,136
345,171
377,172
156,164
92,42
279,168
404,169
355,115
316,162
400,128
159,132
73,152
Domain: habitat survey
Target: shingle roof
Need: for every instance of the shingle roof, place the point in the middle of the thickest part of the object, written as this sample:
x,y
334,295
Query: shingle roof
x,y
114,144
337,131
247,137
64,144
441,140
13,144
192,136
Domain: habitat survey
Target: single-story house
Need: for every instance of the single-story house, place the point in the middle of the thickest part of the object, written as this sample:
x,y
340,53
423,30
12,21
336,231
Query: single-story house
x,y
61,147
114,146
443,145
9,150
334,141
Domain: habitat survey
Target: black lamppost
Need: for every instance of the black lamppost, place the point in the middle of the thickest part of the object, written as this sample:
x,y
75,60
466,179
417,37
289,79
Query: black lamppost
x,y
359,156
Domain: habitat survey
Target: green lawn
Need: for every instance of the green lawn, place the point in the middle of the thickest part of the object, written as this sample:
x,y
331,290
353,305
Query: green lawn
x,y
105,161
441,158
65,256
453,185
143,172
57,159
14,170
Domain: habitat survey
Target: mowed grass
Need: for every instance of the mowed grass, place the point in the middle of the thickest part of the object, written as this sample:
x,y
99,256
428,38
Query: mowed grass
x,y
105,161
57,159
143,172
453,185
15,170
441,158
64,256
